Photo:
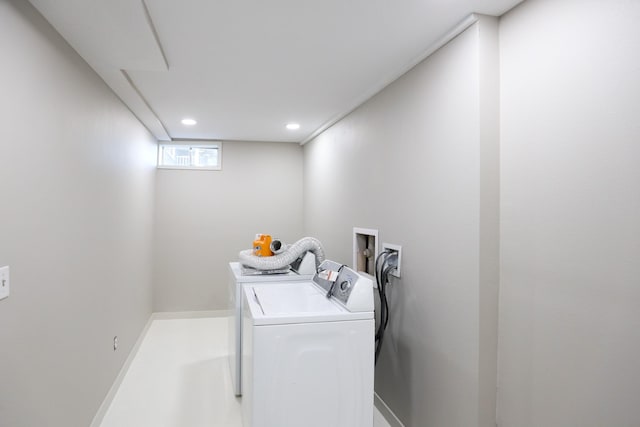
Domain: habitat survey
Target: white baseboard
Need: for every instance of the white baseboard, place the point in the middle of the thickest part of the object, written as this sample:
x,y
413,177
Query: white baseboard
x,y
190,314
102,410
385,411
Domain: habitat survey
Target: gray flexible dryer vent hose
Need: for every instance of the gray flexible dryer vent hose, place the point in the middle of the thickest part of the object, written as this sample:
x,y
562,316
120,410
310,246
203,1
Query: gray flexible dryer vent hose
x,y
285,258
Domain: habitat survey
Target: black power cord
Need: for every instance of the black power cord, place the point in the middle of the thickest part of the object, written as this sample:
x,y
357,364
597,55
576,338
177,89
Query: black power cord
x,y
333,285
382,280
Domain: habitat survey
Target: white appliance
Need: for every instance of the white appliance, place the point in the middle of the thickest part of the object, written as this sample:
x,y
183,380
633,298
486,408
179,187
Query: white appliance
x,y
236,280
308,360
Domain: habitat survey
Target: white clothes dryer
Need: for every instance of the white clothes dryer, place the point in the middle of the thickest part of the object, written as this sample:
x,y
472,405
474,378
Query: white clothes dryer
x,y
308,359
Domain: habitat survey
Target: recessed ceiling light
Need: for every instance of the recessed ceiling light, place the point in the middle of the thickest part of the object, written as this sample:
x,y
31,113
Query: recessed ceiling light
x,y
188,122
293,126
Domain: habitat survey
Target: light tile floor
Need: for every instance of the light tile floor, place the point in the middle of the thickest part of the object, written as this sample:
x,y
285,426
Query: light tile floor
x,y
180,378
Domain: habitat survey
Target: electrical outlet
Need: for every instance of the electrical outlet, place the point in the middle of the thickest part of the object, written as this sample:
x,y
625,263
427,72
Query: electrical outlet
x,y
398,259
4,282
115,343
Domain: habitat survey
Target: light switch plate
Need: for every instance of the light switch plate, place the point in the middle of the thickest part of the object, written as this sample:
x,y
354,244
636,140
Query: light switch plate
x,y
4,282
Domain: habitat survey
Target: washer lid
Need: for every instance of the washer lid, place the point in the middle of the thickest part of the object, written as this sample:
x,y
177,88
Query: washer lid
x,y
302,302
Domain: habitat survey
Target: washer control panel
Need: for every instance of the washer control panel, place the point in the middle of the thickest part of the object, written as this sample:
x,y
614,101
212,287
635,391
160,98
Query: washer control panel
x,y
351,289
347,280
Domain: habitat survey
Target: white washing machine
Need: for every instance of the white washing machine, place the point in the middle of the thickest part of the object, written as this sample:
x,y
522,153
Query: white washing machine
x,y
308,360
236,280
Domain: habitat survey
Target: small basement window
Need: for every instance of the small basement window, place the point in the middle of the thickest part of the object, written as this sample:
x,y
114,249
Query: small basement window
x,y
207,156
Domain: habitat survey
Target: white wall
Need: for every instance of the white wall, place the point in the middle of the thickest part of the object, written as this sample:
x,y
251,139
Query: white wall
x,y
76,199
570,235
204,218
417,162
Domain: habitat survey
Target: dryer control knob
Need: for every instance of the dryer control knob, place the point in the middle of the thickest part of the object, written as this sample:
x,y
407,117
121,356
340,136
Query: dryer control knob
x,y
344,286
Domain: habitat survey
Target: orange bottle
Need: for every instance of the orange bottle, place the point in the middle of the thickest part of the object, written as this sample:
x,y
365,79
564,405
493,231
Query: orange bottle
x,y
261,246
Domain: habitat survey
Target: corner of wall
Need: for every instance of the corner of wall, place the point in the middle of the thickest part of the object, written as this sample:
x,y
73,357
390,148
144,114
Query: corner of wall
x,y
489,274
